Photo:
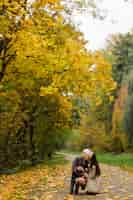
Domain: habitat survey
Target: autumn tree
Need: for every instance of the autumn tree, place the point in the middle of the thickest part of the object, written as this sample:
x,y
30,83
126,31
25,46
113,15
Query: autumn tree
x,y
120,49
44,67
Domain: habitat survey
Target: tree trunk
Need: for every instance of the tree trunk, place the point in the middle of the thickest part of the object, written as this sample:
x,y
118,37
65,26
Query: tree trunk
x,y
32,145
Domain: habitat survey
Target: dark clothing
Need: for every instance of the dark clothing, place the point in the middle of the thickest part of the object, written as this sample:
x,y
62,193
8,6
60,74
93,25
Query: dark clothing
x,y
86,164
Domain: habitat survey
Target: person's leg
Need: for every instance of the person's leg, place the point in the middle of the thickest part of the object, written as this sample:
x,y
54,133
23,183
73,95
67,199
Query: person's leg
x,y
83,187
72,184
76,188
84,183
80,182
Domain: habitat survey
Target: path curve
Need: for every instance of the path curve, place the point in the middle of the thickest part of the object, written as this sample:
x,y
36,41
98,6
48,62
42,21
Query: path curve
x,y
117,184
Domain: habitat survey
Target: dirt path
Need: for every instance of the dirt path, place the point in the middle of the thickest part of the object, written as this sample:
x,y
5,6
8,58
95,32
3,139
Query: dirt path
x,y
115,184
43,182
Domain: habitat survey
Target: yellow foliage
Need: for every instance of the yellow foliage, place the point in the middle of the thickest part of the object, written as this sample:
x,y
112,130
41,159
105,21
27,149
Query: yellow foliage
x,y
48,90
98,101
45,65
111,98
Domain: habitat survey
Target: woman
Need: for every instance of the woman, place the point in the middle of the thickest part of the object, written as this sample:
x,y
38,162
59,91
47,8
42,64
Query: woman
x,y
86,162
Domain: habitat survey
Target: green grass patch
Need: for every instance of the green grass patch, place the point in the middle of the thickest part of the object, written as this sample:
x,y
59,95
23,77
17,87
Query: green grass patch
x,y
124,160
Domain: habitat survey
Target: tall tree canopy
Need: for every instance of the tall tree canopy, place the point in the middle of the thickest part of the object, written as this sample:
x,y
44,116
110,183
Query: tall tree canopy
x,y
120,48
43,66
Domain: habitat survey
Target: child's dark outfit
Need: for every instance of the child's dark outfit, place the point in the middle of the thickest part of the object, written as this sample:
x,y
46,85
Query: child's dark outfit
x,y
85,164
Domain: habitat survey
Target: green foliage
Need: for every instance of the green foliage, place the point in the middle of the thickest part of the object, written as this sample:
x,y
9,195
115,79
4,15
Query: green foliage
x,y
120,49
128,116
120,52
74,142
128,111
123,160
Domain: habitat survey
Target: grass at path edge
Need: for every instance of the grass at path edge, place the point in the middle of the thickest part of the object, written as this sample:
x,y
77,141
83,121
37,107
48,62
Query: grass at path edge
x,y
123,160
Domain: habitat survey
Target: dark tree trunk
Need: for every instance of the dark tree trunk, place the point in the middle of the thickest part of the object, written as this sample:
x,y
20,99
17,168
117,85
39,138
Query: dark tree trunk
x,y
50,155
31,135
6,148
32,145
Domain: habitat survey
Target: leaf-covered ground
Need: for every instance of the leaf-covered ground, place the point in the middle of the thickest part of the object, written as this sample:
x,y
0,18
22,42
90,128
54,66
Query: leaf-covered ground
x,y
51,182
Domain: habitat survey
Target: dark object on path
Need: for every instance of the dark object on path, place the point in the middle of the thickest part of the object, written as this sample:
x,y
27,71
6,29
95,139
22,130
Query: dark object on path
x,y
78,179
92,193
86,164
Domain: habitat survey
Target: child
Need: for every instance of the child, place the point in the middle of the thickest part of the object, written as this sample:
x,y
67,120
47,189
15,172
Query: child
x,y
79,178
80,166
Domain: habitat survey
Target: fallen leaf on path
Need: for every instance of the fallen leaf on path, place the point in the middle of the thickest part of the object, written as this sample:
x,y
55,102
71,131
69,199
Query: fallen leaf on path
x,y
105,191
109,199
48,197
116,197
69,197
